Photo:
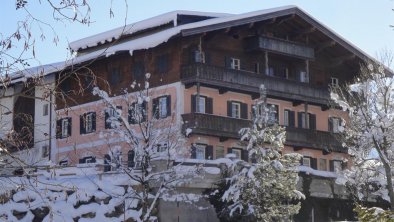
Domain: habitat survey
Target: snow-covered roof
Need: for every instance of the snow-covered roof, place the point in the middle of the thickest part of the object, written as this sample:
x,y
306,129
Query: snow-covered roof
x,y
156,21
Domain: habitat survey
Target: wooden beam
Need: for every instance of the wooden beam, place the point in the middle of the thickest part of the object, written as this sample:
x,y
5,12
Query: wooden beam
x,y
325,45
286,19
324,107
223,90
297,102
251,25
339,60
297,148
223,139
306,31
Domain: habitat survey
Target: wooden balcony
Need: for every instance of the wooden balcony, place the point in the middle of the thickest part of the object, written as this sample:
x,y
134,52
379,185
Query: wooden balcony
x,y
227,127
249,82
280,46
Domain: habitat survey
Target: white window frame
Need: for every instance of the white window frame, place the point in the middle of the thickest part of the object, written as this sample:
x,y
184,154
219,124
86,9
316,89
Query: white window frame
x,y
200,151
334,81
163,107
237,152
89,160
45,109
306,161
162,147
236,110
235,63
89,123
200,104
304,77
65,127
286,121
335,124
199,56
305,125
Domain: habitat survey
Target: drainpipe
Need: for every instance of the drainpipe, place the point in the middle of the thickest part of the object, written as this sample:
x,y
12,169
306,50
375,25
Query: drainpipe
x,y
50,125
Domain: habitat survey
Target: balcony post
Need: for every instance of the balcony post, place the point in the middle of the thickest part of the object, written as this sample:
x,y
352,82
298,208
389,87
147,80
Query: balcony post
x,y
266,63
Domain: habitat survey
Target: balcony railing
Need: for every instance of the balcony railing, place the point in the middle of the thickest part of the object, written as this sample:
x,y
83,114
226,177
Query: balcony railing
x,y
227,127
248,82
280,46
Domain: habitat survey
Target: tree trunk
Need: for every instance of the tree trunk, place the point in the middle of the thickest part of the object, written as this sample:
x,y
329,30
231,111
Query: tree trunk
x,y
389,185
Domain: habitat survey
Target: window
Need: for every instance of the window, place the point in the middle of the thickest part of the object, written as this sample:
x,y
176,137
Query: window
x,y
237,152
162,107
273,113
306,161
115,76
138,70
137,113
304,77
88,159
162,63
88,123
45,109
288,118
306,123
63,128
235,63
200,151
236,110
334,82
219,152
130,158
63,163
271,71
334,124
162,147
112,117
202,105
323,164
336,165
45,151
199,56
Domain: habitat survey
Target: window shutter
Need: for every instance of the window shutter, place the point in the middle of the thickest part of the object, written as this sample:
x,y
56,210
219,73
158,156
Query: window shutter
x,y
81,124
344,165
194,99
302,161
168,100
227,62
130,113
130,158
93,121
245,155
244,111
312,121
82,160
209,152
107,161
144,111
193,152
69,126
209,105
291,119
314,163
59,129
330,125
331,163
107,124
229,150
300,120
207,58
229,109
253,108
155,108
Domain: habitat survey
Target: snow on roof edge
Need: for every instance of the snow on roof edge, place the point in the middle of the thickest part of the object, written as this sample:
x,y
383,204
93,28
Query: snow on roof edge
x,y
155,21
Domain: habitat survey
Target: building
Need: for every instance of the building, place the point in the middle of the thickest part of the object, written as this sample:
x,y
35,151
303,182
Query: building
x,y
206,70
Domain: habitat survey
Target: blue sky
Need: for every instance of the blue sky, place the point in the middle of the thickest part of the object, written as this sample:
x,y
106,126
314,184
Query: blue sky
x,y
364,23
